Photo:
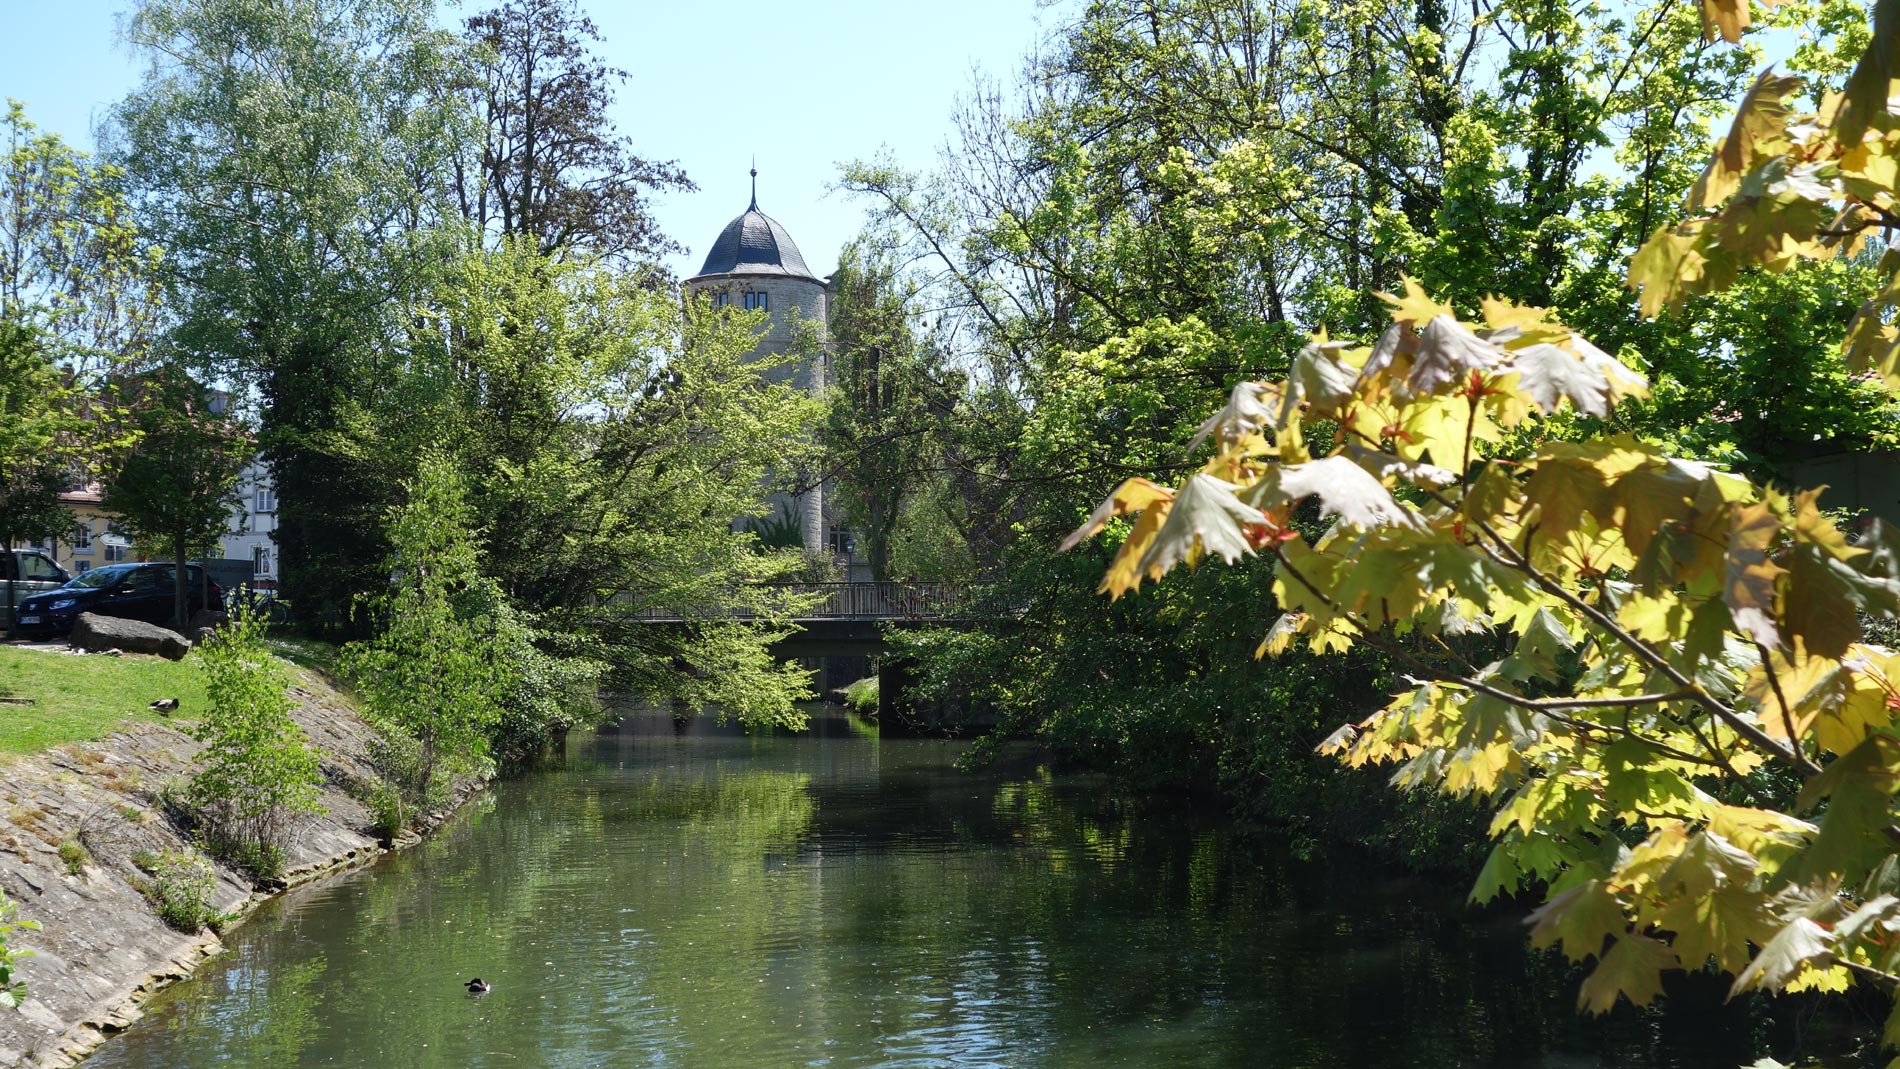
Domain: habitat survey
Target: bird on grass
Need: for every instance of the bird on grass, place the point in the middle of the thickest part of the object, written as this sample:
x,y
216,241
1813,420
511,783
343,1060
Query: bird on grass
x,y
164,705
477,986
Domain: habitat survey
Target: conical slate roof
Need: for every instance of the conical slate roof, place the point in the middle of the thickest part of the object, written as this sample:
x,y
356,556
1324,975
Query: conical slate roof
x,y
755,244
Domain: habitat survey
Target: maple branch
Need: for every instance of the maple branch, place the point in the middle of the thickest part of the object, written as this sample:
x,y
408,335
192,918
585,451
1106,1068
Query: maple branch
x,y
1644,652
1781,699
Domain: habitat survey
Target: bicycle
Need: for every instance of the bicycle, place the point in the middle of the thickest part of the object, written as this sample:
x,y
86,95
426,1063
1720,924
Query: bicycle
x,y
266,605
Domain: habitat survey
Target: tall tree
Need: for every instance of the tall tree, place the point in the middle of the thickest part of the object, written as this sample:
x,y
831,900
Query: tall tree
x,y
551,166
44,437
1176,184
292,159
610,439
173,490
892,398
71,262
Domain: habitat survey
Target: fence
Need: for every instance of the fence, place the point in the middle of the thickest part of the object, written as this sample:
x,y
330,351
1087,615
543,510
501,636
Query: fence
x,y
859,601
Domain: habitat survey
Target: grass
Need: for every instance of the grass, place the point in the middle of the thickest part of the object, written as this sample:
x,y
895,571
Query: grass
x,y
76,699
308,653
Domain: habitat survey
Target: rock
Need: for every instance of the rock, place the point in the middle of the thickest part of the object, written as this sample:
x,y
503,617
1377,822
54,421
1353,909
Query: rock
x,y
206,618
95,632
202,635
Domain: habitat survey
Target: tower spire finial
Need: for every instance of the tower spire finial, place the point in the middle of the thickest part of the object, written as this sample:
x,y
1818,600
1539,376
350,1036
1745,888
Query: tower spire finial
x,y
755,184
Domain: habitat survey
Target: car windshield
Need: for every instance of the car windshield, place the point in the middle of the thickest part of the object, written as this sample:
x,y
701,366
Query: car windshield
x,y
98,577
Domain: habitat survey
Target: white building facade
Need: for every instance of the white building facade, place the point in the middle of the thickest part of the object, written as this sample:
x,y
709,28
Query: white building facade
x,y
253,521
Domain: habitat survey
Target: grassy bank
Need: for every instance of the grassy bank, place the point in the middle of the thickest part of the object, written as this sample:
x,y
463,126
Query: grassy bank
x,y
75,699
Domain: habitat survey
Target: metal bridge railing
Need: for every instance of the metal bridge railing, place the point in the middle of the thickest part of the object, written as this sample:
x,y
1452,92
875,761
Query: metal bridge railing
x,y
857,601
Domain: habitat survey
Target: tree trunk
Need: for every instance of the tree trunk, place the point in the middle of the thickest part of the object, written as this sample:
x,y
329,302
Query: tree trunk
x,y
179,594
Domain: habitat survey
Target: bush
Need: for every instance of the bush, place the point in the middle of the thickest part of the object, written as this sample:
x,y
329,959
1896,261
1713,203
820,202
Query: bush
x,y
260,775
861,696
74,855
180,888
11,990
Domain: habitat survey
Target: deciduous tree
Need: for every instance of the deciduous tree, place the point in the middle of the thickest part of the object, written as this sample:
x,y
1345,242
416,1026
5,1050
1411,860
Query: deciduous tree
x,y
1653,670
550,165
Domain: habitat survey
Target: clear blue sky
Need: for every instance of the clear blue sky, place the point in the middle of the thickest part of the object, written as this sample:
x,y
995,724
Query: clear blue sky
x,y
804,86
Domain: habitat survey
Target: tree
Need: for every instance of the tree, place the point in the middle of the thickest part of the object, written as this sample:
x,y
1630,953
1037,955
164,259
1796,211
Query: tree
x,y
890,400
43,438
551,167
260,774
1654,669
1174,190
175,487
71,263
293,161
432,678
610,439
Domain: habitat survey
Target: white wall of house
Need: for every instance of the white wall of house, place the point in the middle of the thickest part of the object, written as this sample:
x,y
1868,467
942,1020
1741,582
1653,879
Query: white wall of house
x,y
253,521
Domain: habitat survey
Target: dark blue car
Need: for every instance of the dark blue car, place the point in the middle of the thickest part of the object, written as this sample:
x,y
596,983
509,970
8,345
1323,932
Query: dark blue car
x,y
133,591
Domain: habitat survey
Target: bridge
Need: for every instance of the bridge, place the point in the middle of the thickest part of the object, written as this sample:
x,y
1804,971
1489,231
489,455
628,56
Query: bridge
x,y
844,618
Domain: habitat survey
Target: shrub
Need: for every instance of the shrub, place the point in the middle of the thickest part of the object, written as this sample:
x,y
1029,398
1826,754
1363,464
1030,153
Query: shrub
x,y
180,888
11,990
440,667
74,854
260,775
861,696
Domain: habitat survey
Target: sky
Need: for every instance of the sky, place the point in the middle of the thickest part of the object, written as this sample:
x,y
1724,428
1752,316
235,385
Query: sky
x,y
803,87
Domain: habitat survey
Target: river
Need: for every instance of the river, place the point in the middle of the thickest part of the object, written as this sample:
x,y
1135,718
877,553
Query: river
x,y
709,899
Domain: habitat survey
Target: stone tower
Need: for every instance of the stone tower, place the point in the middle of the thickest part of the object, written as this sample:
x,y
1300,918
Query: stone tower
x,y
754,264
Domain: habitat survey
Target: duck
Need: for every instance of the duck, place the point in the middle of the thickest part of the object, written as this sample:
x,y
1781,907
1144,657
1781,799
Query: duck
x,y
164,705
477,986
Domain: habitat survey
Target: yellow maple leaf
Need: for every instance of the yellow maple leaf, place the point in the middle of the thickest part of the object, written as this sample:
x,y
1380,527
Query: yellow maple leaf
x,y
1415,306
1759,132
1667,268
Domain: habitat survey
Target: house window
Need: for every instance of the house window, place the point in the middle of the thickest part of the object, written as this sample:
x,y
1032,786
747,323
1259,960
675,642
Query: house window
x,y
82,537
839,540
115,554
721,299
756,302
260,560
81,566
266,500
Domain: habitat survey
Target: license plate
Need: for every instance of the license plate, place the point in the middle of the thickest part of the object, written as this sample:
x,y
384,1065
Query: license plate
x,y
29,619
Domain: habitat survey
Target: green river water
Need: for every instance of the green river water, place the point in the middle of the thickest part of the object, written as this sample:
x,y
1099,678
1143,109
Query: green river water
x,y
709,899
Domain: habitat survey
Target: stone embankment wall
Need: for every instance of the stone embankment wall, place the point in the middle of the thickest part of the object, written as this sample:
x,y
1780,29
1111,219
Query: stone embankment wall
x,y
101,950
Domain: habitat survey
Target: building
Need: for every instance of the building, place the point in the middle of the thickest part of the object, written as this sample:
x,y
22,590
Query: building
x,y
754,264
250,536
90,541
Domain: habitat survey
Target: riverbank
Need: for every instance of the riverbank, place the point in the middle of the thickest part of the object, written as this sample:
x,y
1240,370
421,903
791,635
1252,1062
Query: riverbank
x,y
75,823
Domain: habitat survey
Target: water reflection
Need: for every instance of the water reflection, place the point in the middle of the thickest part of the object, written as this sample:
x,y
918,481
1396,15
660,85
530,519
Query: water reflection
x,y
704,898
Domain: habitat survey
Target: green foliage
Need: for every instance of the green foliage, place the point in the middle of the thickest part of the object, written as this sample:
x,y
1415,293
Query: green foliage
x,y
861,696
12,990
73,854
436,672
180,888
259,774
610,439
893,396
293,161
174,489
784,529
72,265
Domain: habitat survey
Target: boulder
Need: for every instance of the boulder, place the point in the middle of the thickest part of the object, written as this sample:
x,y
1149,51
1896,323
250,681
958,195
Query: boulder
x,y
206,618
99,633
202,635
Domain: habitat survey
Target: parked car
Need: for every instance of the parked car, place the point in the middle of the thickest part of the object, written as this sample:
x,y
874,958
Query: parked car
x,y
134,591
32,573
